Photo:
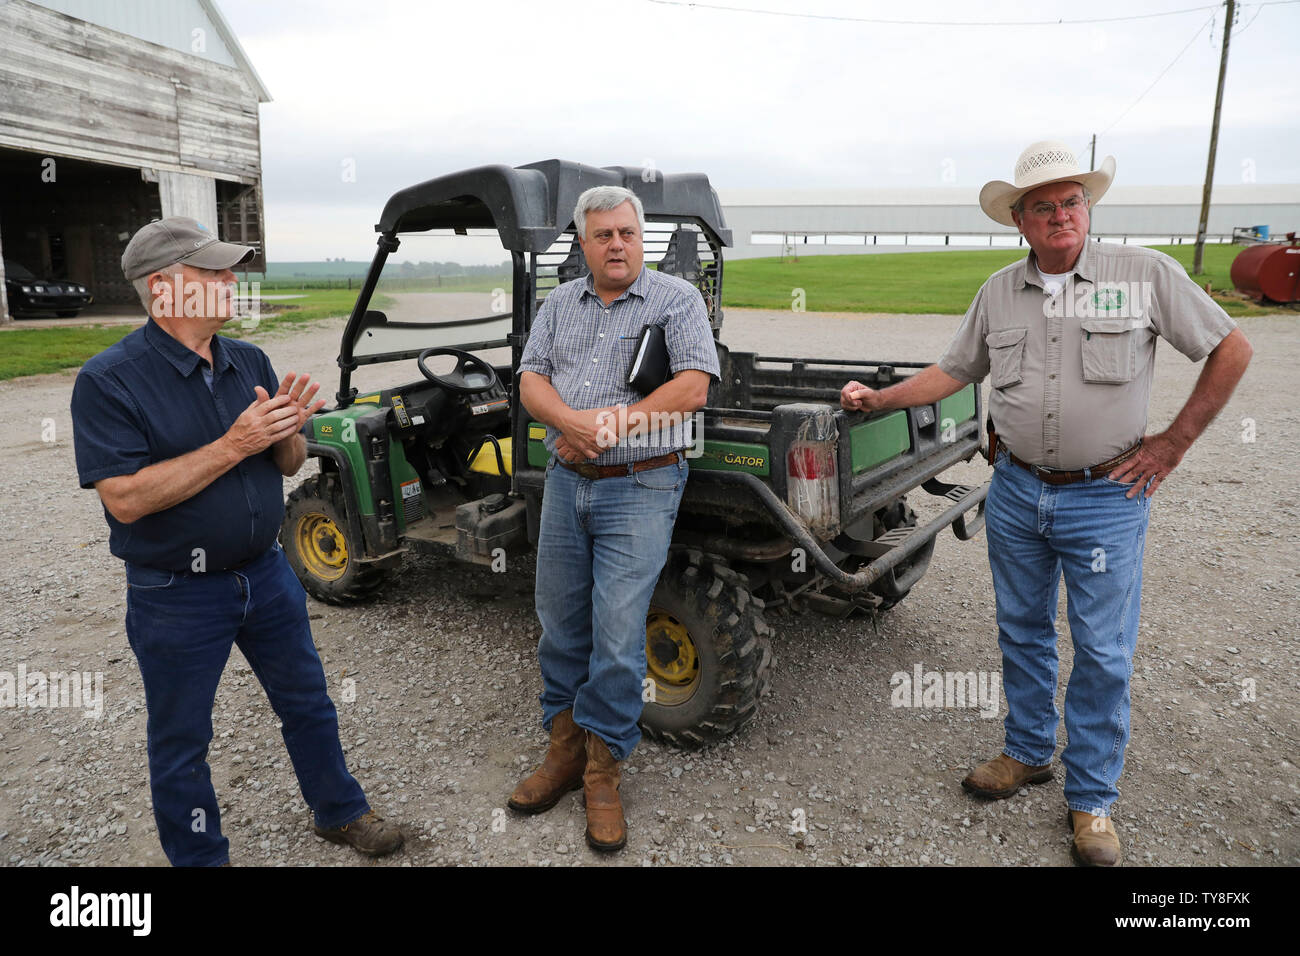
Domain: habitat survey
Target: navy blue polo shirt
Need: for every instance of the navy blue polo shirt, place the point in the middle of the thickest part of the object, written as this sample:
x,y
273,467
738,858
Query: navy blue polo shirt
x,y
145,400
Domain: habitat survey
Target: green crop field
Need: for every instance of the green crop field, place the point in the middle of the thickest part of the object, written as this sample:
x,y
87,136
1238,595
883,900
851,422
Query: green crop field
x,y
941,282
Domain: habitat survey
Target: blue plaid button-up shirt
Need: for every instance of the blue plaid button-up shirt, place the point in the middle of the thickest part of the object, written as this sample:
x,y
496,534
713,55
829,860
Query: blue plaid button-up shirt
x,y
586,347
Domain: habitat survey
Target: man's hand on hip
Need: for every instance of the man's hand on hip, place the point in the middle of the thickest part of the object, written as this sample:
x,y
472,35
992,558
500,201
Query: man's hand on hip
x,y
1158,456
264,422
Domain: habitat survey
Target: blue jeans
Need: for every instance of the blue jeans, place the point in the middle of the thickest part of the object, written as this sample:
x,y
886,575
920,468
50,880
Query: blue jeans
x,y
1095,535
181,627
601,547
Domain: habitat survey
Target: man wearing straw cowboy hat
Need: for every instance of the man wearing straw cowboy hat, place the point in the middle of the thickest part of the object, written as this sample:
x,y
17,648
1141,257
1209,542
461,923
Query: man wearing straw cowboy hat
x,y
1067,335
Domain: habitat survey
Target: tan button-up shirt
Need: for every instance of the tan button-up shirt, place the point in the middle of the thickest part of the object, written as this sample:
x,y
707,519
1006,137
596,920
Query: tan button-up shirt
x,y
1071,373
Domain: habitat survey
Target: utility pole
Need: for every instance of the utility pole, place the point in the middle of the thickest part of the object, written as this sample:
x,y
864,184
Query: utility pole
x,y
1214,144
1092,163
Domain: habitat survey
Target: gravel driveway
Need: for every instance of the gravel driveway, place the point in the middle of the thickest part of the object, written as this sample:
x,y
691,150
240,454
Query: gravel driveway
x,y
445,715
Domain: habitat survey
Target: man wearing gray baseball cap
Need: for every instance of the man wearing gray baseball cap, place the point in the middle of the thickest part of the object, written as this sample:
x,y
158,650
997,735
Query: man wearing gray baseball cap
x,y
186,436
165,242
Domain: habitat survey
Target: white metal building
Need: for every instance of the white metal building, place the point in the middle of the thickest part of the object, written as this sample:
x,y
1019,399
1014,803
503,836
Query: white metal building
x,y
116,112
822,222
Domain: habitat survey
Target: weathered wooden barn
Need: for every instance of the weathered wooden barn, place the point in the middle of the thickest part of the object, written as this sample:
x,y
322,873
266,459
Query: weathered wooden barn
x,y
116,112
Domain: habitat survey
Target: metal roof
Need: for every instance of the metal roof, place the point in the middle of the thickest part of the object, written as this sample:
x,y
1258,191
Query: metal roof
x,y
168,23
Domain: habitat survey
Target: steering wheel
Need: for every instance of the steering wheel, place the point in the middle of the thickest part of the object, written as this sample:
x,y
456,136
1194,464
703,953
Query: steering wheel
x,y
454,381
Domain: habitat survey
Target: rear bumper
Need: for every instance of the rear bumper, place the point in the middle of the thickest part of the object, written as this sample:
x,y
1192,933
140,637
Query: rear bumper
x,y
963,498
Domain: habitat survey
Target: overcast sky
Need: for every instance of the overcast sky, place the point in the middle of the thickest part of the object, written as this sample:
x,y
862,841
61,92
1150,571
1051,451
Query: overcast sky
x,y
409,91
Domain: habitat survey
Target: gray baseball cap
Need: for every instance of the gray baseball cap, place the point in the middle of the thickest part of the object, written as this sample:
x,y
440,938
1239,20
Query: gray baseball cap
x,y
165,242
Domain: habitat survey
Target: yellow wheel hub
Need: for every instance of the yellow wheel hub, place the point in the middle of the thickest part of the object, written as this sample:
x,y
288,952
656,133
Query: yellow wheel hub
x,y
671,658
322,546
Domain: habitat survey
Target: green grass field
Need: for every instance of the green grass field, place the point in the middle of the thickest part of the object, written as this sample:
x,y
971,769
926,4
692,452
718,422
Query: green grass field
x,y
31,350
941,282
472,283
315,304
28,351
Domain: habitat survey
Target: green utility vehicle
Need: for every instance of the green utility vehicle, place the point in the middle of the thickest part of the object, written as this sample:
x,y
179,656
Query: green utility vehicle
x,y
791,501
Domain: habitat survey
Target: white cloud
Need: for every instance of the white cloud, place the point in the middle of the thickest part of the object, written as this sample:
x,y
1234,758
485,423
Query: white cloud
x,y
410,91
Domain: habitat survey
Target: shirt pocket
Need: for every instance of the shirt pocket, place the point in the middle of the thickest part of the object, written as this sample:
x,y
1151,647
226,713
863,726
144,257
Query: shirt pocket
x,y
1006,356
622,353
1109,351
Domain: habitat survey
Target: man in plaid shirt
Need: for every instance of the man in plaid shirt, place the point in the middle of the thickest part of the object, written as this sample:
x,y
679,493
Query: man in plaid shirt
x,y
613,485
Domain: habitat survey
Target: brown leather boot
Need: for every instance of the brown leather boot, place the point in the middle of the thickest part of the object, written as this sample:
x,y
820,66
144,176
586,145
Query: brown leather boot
x,y
1002,776
560,772
1095,841
606,828
370,834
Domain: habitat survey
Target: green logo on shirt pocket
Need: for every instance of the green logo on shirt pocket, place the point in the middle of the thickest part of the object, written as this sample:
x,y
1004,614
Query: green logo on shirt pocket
x,y
1108,299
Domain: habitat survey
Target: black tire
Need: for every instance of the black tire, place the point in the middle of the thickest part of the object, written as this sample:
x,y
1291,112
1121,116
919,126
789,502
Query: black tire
x,y
713,687
321,550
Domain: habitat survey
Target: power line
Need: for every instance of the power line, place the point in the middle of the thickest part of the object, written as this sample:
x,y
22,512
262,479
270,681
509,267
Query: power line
x,y
882,21
938,23
1254,18
1268,3
1199,31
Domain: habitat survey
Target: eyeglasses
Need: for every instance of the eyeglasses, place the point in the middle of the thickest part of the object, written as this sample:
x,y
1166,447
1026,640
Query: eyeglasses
x,y
1072,205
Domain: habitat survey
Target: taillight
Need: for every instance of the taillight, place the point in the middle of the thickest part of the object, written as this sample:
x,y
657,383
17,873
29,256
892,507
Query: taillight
x,y
811,460
812,491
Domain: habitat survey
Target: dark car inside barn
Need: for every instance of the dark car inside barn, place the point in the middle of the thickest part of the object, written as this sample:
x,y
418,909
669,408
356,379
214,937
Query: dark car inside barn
x,y
31,296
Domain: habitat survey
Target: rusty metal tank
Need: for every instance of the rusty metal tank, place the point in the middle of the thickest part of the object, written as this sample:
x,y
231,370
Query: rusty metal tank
x,y
1269,271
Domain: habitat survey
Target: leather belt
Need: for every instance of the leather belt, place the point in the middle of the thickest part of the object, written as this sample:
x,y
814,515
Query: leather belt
x,y
587,470
1054,477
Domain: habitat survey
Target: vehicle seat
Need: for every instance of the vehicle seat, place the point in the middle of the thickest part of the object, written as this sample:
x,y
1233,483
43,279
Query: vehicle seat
x,y
574,265
485,460
682,257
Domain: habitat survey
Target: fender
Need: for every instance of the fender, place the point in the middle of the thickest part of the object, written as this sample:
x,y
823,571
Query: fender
x,y
351,505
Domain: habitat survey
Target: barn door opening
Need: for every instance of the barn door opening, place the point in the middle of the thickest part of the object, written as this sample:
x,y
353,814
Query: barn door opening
x,y
239,214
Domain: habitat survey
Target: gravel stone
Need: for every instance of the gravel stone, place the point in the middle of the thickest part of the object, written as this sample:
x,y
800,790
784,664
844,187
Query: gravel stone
x,y
445,717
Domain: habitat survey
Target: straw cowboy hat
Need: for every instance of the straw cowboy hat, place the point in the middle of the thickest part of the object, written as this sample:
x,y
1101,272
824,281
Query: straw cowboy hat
x,y
1041,164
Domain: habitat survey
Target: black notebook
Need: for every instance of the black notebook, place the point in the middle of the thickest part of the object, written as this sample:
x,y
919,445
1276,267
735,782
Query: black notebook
x,y
649,367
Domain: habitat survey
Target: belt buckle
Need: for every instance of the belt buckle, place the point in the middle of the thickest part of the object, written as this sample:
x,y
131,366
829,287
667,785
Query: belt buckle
x,y
1039,471
587,470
